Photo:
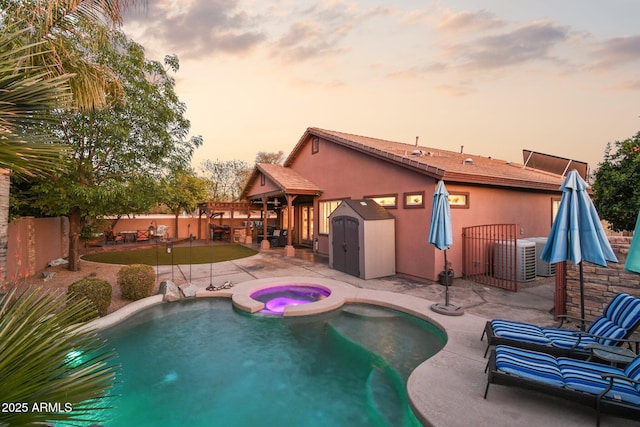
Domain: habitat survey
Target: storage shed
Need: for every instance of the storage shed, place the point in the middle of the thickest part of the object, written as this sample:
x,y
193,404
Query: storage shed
x,y
362,239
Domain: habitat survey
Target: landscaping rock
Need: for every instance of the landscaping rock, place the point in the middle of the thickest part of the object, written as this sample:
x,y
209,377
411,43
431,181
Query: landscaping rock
x,y
188,290
170,291
48,275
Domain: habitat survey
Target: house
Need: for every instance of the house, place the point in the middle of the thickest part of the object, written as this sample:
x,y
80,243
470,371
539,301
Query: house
x,y
326,167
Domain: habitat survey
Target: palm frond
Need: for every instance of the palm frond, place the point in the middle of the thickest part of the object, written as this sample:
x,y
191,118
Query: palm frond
x,y
46,357
28,95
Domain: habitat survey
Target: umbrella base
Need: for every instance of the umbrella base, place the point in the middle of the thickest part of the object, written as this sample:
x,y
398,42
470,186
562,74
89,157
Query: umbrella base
x,y
448,310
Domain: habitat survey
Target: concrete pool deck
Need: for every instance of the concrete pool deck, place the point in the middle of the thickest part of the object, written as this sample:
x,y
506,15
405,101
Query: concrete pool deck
x,y
447,390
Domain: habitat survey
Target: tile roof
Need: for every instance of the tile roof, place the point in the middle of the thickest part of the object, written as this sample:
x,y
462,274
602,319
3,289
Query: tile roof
x,y
441,164
287,179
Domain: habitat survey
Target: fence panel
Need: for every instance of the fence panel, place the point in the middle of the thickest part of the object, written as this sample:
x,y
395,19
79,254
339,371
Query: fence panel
x,y
489,255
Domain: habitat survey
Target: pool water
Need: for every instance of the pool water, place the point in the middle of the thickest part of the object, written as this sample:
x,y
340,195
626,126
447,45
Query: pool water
x,y
203,363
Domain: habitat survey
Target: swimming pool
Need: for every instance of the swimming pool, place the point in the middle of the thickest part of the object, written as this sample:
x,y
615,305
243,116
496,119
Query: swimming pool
x,y
203,363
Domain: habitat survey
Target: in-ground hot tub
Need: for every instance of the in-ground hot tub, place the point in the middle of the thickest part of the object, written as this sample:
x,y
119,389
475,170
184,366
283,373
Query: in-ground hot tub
x,y
288,297
277,298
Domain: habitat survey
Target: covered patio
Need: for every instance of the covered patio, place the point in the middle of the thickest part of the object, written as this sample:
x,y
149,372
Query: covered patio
x,y
292,197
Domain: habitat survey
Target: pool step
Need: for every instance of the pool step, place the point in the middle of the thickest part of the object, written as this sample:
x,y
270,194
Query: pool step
x,y
385,400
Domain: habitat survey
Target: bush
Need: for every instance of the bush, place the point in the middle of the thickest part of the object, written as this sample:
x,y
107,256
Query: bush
x,y
136,281
97,291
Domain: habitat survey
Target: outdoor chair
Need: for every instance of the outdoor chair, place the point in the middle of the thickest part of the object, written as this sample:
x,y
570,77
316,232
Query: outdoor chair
x,y
614,326
162,232
605,388
110,236
142,235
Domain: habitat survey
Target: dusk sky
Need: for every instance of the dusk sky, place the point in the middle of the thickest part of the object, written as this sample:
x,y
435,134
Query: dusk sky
x,y
554,76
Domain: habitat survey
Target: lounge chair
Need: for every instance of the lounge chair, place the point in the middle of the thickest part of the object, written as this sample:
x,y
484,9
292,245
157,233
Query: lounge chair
x,y
614,326
603,387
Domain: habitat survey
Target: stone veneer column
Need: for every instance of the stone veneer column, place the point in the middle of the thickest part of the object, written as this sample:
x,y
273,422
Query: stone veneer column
x,y
601,284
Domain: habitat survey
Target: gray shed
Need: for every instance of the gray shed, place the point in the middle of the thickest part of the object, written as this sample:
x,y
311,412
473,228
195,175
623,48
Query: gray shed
x,y
362,239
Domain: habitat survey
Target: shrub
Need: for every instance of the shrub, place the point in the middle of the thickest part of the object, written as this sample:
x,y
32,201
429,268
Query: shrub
x,y
136,281
97,291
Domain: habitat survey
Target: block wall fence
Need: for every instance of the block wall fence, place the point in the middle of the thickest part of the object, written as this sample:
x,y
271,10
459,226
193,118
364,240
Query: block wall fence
x,y
601,283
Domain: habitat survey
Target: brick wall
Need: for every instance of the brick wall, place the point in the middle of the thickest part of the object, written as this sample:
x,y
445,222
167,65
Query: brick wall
x,y
601,283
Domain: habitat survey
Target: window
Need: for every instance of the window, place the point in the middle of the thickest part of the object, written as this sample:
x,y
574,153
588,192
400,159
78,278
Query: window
x,y
459,200
315,145
555,205
262,180
386,201
326,208
414,200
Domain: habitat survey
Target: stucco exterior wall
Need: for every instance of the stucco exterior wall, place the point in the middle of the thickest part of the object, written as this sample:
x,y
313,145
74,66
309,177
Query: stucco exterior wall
x,y
199,228
346,173
33,243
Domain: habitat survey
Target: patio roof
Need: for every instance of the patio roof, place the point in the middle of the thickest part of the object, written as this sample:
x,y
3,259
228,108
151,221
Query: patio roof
x,y
284,180
440,164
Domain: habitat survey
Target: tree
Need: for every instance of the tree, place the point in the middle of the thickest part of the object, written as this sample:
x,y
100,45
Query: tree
x,y
183,191
117,154
65,33
616,189
225,178
275,158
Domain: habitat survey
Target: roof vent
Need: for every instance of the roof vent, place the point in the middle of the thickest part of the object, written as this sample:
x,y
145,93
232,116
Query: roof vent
x,y
468,161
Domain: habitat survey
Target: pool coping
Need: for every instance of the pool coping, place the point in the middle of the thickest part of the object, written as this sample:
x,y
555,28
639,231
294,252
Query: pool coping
x,y
341,293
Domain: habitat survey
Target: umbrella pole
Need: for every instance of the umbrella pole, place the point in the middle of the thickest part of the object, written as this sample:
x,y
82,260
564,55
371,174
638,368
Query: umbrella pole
x,y
446,280
447,309
581,297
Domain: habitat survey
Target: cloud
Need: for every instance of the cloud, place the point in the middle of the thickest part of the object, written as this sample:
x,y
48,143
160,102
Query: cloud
x,y
465,21
322,31
532,42
197,28
616,51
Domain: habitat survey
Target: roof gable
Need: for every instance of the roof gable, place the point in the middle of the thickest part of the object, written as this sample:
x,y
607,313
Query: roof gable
x,y
285,180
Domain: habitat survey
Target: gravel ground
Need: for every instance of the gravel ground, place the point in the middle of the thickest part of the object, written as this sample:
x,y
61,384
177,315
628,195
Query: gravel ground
x,y
62,278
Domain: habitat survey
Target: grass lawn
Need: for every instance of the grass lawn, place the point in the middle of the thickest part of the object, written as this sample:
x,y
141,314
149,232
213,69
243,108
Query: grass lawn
x,y
181,255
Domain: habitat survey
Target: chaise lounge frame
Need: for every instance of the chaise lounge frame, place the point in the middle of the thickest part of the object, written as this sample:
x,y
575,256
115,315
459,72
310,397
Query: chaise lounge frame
x,y
577,350
599,402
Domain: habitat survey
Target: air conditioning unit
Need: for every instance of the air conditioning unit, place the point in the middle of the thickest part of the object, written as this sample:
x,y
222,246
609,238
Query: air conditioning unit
x,y
543,268
519,264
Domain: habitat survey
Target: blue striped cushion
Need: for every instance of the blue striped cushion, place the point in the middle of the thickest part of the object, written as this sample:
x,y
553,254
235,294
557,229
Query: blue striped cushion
x,y
606,327
519,331
565,338
587,376
633,370
624,311
532,365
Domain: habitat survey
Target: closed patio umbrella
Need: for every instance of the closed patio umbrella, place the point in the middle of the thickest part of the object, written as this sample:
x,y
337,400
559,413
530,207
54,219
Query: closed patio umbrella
x,y
633,257
577,234
441,236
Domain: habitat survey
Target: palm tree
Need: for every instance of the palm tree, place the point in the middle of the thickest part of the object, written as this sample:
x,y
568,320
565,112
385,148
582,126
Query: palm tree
x,y
69,30
27,96
51,368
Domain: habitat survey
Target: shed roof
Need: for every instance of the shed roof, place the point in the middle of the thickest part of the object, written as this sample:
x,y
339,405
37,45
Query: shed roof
x,y
447,165
368,209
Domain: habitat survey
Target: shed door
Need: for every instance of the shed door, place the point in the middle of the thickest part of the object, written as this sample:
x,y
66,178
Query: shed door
x,y
346,247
